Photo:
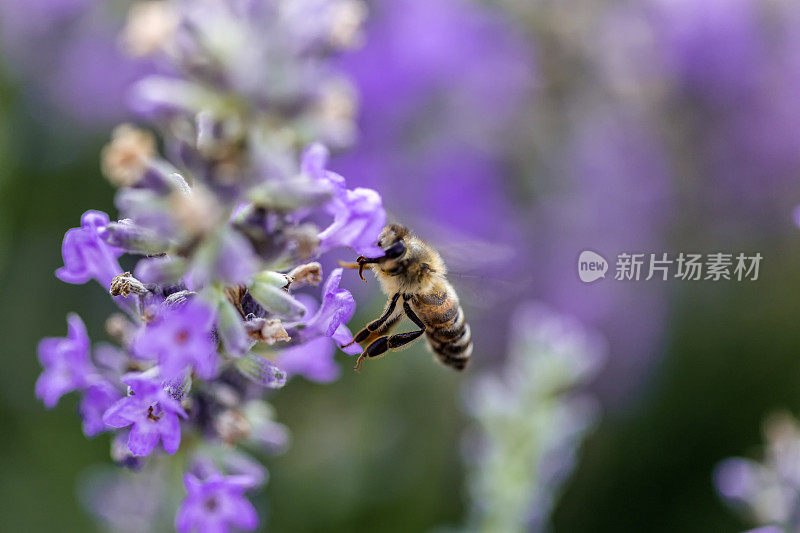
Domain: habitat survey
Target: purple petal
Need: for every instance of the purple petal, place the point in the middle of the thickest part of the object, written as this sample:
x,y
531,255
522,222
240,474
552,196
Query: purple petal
x,y
51,386
313,360
143,437
122,413
343,337
244,515
170,429
96,401
86,256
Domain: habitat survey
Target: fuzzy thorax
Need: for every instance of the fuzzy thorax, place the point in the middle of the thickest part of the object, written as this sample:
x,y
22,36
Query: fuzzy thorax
x,y
419,270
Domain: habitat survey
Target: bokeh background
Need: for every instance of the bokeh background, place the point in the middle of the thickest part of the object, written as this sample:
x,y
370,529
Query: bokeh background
x,y
516,134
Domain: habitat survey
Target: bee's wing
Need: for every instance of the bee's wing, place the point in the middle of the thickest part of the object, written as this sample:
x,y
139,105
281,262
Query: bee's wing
x,y
467,254
483,273
483,292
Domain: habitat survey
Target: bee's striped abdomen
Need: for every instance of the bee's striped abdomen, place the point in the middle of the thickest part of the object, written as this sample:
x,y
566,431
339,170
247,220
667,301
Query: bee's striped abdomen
x,y
447,332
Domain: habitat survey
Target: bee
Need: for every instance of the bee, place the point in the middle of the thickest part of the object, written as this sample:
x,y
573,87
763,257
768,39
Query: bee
x,y
413,271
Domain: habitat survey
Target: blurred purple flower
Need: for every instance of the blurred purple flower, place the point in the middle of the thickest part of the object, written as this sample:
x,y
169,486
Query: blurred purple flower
x,y
313,357
179,338
125,503
261,371
736,478
97,399
86,255
767,490
66,363
67,51
93,75
216,504
736,64
152,413
617,198
431,72
710,46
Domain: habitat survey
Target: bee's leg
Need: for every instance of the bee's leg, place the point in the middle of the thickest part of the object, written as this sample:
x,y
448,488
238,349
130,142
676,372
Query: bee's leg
x,y
375,325
360,264
345,264
391,342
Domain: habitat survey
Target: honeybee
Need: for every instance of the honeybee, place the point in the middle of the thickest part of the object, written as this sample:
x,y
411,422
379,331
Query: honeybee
x,y
413,271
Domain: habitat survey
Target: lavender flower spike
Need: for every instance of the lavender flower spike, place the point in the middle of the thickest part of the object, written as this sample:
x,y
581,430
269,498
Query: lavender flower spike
x,y
66,363
215,504
86,255
242,85
152,413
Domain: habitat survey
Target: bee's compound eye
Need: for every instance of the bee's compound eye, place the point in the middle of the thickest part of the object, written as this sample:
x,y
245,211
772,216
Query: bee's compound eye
x,y
396,250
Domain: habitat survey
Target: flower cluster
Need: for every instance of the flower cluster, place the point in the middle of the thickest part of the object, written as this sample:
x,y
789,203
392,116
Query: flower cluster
x,y
768,492
531,421
220,235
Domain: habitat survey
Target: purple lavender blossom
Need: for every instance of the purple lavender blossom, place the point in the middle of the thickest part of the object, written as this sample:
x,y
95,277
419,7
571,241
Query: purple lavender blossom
x,y
97,399
86,255
216,504
313,357
358,220
358,214
152,413
180,338
66,363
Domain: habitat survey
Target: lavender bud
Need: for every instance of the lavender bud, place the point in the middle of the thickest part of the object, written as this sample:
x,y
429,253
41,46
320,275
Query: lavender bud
x,y
196,213
267,331
259,370
308,274
178,299
125,158
165,270
119,328
232,426
125,284
133,238
346,22
267,433
304,241
289,195
150,28
230,328
274,298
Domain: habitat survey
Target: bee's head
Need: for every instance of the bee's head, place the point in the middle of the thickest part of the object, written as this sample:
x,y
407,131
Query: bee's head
x,y
392,241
